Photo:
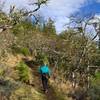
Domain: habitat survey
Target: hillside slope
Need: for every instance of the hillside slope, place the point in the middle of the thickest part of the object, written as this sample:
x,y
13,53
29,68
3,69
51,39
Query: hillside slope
x,y
13,89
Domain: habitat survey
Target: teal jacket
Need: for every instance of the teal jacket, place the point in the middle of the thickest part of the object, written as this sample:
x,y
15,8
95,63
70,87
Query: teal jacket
x,y
44,69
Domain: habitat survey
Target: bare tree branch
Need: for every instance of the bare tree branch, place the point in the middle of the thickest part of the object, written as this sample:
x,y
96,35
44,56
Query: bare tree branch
x,y
38,4
36,19
4,27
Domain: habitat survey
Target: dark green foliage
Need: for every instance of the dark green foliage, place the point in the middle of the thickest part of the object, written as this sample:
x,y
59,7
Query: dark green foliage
x,y
94,93
97,58
97,75
23,72
96,79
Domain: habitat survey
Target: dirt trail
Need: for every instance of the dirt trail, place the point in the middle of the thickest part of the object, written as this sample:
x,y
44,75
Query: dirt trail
x,y
51,94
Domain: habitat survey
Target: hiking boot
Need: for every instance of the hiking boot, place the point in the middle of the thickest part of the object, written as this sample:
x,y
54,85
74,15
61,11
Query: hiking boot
x,y
46,91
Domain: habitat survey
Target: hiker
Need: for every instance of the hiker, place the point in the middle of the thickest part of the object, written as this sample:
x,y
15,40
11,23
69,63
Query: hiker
x,y
45,75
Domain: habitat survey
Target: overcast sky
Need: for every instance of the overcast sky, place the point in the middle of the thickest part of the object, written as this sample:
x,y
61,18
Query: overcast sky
x,y
59,10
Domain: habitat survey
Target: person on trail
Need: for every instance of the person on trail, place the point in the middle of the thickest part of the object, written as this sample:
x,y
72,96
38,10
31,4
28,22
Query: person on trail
x,y
45,75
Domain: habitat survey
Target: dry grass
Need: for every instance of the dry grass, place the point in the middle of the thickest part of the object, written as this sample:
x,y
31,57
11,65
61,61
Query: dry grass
x,y
62,89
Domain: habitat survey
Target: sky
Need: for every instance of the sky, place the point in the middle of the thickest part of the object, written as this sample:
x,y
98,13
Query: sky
x,y
59,10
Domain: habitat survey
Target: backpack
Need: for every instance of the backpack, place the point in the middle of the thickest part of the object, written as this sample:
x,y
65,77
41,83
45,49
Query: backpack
x,y
45,71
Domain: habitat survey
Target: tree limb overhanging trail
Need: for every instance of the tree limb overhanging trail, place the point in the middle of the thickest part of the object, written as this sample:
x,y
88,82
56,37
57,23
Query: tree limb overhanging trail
x,y
31,13
38,4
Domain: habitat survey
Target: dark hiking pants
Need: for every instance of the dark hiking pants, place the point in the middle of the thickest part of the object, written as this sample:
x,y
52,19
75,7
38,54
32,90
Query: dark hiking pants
x,y
45,81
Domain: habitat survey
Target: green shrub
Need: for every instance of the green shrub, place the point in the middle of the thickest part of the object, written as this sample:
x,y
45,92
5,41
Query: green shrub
x,y
96,80
45,60
25,51
94,91
1,72
23,72
20,50
97,75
